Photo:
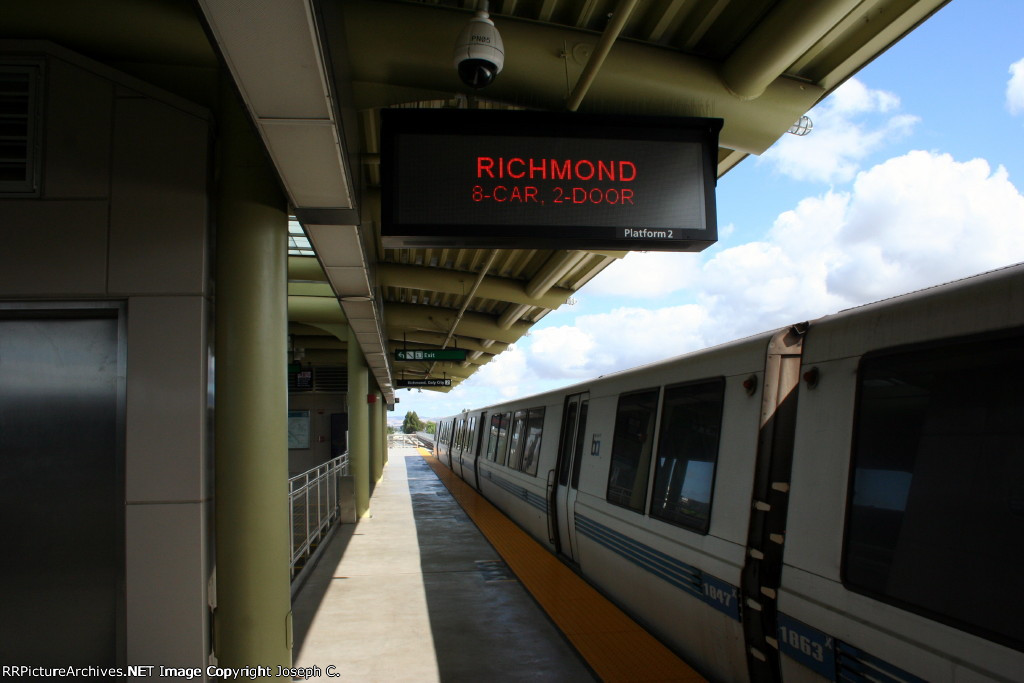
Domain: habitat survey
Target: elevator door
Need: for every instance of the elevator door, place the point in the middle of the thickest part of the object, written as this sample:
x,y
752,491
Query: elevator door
x,y
60,488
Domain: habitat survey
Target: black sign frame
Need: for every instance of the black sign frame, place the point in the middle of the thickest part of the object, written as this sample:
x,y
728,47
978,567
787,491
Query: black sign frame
x,y
438,140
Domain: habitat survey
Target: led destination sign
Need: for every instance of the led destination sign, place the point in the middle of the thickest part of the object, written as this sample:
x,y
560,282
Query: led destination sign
x,y
516,179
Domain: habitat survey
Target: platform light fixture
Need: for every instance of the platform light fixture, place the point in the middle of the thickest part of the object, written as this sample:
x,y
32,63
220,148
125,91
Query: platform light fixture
x,y
802,127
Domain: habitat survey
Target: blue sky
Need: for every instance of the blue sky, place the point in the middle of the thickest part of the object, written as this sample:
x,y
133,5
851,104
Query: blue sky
x,y
912,176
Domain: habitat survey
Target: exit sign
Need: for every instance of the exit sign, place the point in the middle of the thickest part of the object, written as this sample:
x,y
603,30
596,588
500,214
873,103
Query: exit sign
x,y
431,354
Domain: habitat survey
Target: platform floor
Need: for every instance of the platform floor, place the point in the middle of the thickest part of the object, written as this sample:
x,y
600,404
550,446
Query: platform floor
x,y
415,593
419,591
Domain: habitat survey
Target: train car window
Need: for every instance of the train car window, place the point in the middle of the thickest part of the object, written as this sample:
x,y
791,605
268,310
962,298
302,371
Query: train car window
x,y
471,435
515,451
503,438
936,506
631,449
460,434
492,438
531,452
691,421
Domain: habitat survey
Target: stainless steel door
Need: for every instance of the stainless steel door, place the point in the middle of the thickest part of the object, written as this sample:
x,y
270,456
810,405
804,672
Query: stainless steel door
x,y
60,474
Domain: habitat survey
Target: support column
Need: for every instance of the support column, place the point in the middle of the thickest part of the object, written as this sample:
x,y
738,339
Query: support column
x,y
377,437
253,615
384,429
358,425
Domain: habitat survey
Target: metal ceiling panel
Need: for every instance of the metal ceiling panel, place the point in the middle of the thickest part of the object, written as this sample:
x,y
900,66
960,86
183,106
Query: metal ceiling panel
x,y
267,47
308,158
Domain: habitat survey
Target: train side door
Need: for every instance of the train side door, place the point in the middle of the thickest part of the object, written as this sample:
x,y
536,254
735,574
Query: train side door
x,y
468,441
564,480
478,446
455,450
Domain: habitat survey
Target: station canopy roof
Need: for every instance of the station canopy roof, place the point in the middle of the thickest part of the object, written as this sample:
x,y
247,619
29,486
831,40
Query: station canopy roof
x,y
315,74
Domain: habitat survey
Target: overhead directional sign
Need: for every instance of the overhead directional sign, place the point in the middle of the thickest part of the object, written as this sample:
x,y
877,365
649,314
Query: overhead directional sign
x,y
431,354
528,179
408,383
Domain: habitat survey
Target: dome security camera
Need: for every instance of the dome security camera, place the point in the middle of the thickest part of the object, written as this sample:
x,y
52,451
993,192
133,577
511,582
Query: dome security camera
x,y
479,52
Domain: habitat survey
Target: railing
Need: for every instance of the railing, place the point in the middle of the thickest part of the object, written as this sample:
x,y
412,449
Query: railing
x,y
313,497
424,439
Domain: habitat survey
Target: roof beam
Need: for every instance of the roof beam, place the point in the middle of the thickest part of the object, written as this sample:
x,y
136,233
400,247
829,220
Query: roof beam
x,y
789,30
439,321
636,77
623,10
456,282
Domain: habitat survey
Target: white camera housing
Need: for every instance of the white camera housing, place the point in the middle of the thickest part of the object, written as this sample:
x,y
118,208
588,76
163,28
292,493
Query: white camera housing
x,y
479,52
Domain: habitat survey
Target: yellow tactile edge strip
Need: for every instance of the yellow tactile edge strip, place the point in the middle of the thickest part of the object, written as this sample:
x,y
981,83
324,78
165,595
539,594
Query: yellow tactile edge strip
x,y
614,645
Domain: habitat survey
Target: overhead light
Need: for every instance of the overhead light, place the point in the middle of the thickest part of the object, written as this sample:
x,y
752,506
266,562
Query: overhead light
x,y
802,127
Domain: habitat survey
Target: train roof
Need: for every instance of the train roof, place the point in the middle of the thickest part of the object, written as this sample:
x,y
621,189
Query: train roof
x,y
1009,278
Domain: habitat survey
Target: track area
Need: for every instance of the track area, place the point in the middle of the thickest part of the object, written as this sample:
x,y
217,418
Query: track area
x,y
614,645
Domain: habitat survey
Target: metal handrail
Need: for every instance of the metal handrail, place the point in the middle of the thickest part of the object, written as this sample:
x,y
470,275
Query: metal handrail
x,y
313,498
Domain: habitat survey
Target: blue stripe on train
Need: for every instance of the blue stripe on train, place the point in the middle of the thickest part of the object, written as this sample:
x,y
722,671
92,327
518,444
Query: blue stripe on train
x,y
717,593
833,658
530,497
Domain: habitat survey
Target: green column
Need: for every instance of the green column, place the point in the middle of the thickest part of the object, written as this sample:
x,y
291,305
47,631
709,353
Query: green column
x,y
358,425
253,614
376,437
384,429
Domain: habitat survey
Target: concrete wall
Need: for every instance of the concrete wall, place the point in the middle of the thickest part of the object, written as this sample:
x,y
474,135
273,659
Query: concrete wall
x,y
123,215
320,407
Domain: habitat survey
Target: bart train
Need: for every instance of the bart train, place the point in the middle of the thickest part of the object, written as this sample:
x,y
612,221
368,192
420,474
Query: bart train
x,y
840,500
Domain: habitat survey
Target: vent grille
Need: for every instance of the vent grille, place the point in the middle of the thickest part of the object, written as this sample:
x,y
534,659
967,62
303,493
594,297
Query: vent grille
x,y
322,379
330,379
19,87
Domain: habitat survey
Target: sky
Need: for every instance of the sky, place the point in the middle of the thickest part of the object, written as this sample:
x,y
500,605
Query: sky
x,y
912,176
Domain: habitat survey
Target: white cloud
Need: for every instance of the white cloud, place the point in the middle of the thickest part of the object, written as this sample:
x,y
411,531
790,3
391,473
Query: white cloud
x,y
560,352
647,275
504,374
853,97
605,342
846,130
923,218
1015,88
911,222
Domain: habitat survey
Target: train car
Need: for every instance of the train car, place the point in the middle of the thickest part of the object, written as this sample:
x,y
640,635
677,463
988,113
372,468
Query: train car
x,y
835,500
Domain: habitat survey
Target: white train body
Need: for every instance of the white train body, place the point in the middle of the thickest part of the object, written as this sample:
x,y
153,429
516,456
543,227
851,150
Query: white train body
x,y
838,500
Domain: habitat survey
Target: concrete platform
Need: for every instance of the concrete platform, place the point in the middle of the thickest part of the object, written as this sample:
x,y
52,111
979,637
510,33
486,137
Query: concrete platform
x,y
415,593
